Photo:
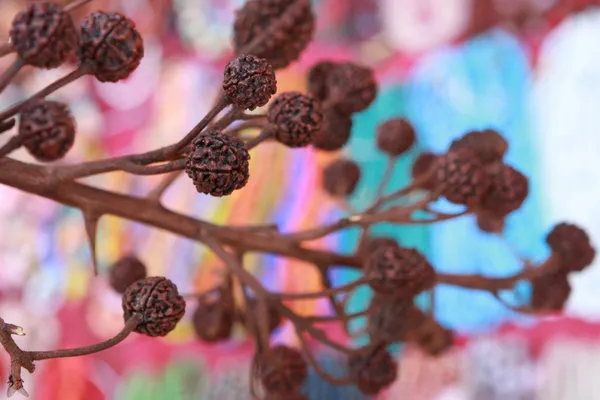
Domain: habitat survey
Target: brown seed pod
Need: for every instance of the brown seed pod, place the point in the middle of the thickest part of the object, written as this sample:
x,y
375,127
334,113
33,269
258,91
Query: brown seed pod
x,y
279,30
47,129
282,370
392,319
373,372
395,136
43,35
318,79
341,177
433,338
462,177
372,243
352,88
507,192
335,130
157,300
295,117
550,291
399,272
214,317
422,165
273,315
125,272
249,82
488,145
110,46
218,164
571,244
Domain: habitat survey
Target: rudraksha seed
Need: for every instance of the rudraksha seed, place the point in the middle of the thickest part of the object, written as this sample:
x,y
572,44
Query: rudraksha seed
x,y
282,370
462,176
125,272
157,300
372,243
43,35
421,166
507,192
488,145
399,272
249,82
572,245
433,338
213,320
352,88
373,372
335,130
395,136
295,24
391,319
48,130
550,291
110,46
295,118
341,177
218,164
273,315
318,79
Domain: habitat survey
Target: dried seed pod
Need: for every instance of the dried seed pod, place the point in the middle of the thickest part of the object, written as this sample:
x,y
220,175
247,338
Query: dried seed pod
x,y
373,372
273,315
335,130
399,272
110,46
218,164
507,192
282,370
249,82
395,136
488,145
422,165
157,300
213,319
43,35
48,129
318,79
341,177
295,117
550,291
572,246
352,88
433,338
391,319
462,176
279,30
372,243
125,272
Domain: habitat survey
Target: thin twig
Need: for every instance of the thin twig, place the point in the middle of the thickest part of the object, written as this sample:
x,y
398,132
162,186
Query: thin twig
x,y
6,49
323,293
10,73
160,189
129,327
75,4
65,80
264,135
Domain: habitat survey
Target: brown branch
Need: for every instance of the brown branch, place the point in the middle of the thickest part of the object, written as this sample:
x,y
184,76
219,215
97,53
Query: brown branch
x,y
36,180
129,327
6,49
322,293
10,73
255,141
160,189
75,4
65,80
317,367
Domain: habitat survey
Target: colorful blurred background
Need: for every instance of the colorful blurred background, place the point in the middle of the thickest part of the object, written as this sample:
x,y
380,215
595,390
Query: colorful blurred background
x,y
530,69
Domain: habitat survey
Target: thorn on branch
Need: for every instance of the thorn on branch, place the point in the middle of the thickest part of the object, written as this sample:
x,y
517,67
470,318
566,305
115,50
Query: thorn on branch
x,y
91,228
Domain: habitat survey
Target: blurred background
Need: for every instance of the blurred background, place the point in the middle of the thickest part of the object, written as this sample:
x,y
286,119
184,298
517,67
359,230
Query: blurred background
x,y
529,68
